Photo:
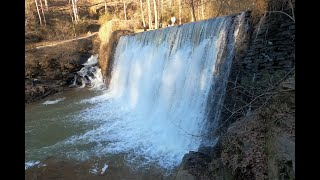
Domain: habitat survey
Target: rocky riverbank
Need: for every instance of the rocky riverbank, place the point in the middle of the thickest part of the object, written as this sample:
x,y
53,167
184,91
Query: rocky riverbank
x,y
50,69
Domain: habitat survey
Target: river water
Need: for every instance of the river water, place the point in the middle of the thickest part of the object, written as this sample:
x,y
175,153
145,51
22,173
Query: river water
x,y
155,110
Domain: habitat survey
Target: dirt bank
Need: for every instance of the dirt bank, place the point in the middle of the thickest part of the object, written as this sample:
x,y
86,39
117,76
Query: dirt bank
x,y
50,69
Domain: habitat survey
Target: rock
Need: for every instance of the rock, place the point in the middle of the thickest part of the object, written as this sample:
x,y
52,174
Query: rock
x,y
196,163
184,175
69,66
288,84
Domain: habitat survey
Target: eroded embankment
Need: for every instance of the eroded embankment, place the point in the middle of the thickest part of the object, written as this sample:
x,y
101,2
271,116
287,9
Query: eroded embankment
x,y
50,69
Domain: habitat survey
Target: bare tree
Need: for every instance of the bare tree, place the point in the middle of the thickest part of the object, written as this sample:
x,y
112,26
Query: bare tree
x,y
75,11
142,15
105,7
124,10
38,12
46,4
72,18
44,18
161,12
155,14
180,10
158,13
202,9
76,8
149,14
192,10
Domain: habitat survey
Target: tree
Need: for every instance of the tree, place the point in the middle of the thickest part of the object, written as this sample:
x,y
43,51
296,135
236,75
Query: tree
x,y
161,12
180,9
155,14
202,9
46,4
105,7
44,18
75,11
149,15
38,12
142,15
193,11
124,9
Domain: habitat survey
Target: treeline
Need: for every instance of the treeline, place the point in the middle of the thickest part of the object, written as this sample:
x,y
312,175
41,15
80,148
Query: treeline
x,y
62,19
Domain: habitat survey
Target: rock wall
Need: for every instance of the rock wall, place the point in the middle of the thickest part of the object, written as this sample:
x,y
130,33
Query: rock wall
x,y
269,50
272,45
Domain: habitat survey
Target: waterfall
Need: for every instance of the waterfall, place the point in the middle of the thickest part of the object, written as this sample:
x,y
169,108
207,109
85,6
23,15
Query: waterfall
x,y
166,92
89,75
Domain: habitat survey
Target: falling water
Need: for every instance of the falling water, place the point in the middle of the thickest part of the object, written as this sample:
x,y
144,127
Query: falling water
x,y
158,102
89,75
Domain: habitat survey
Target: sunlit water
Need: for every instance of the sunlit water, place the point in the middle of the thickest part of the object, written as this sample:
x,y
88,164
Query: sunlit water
x,y
155,109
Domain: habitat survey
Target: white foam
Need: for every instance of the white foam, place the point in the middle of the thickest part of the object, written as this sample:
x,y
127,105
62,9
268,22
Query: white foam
x,y
97,82
104,168
90,75
54,101
30,164
94,169
91,61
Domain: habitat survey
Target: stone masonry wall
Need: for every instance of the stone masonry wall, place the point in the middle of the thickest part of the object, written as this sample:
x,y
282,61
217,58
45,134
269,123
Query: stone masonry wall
x,y
272,45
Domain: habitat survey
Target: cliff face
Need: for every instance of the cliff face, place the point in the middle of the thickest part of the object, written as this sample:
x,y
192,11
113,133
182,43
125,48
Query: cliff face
x,y
49,69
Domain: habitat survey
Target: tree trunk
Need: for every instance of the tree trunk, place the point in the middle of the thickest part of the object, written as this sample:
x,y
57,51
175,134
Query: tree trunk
x,y
105,7
142,16
202,9
192,11
149,14
73,22
198,9
74,11
38,12
161,12
76,6
124,10
44,18
155,14
180,9
158,11
46,4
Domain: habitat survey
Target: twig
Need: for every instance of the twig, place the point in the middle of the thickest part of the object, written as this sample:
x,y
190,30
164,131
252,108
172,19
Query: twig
x,y
283,13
